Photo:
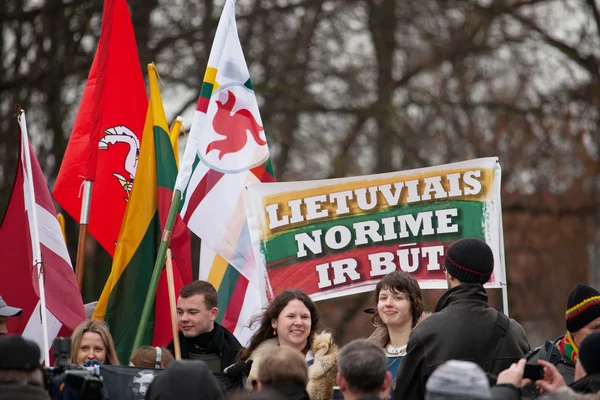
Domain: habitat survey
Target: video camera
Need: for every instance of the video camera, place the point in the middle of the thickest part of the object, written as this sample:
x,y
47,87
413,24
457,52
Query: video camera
x,y
66,381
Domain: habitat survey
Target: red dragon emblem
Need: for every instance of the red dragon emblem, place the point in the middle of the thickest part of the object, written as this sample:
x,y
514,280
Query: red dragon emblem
x,y
234,128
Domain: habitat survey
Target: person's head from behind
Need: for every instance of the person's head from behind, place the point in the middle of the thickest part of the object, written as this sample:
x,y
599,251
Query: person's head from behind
x,y
20,361
197,308
454,380
583,312
292,317
362,370
468,260
151,357
185,379
285,367
91,340
7,311
589,357
399,300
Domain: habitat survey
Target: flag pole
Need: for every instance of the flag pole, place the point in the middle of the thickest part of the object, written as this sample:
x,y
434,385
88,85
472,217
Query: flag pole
x,y
172,305
160,260
84,219
35,235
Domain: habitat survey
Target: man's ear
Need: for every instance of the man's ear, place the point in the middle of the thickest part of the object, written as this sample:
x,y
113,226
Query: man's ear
x,y
387,381
214,313
341,382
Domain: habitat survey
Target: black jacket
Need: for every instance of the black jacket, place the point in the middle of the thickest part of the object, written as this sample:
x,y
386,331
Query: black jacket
x,y
223,343
460,329
12,391
289,391
186,379
587,384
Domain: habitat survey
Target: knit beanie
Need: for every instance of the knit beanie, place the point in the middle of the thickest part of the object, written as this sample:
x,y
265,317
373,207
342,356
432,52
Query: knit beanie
x,y
583,306
470,260
19,354
589,352
458,380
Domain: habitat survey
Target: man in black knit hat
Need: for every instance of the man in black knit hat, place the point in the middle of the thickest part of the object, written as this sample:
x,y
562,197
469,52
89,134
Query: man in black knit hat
x,y
463,327
582,318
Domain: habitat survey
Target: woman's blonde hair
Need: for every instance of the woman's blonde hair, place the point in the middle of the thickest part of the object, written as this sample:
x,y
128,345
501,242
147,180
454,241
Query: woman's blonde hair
x,y
99,327
145,357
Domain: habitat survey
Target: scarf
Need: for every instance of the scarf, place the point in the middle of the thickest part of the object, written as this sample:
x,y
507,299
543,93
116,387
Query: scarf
x,y
567,347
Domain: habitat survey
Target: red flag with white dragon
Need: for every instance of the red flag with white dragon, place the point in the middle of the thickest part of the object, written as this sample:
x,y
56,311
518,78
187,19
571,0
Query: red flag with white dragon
x,y
105,141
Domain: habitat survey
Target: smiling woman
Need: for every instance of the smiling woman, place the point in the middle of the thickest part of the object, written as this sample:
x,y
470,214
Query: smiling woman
x,y
399,308
291,320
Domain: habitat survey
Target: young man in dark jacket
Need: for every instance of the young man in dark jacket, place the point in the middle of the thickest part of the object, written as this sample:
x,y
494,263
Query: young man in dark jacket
x,y
201,338
463,327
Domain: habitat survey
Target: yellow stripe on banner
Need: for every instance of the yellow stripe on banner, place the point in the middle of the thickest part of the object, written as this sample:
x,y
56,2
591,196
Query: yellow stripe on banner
x,y
486,180
210,75
217,271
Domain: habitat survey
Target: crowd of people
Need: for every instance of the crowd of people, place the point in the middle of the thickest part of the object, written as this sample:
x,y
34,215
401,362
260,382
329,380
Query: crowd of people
x,y
465,349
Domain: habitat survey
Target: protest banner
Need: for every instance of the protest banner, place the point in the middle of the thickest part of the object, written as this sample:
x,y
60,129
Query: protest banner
x,y
337,237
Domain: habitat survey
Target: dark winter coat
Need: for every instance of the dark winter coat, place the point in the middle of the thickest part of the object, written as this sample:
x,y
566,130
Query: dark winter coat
x,y
460,329
186,379
587,384
223,343
12,391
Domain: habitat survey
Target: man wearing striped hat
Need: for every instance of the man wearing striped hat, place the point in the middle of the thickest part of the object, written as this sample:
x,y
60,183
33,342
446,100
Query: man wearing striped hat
x,y
582,318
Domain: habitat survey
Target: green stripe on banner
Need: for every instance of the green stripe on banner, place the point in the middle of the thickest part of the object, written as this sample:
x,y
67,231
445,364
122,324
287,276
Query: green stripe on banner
x,y
126,301
248,84
206,89
226,290
284,247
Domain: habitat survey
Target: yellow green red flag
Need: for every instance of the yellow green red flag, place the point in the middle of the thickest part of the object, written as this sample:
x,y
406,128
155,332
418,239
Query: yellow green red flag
x,y
122,299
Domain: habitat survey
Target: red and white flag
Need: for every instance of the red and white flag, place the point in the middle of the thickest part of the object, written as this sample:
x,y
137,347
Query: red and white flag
x,y
19,284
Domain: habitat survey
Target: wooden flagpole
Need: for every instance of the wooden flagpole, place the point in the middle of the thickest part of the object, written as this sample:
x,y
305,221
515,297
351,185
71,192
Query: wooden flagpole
x,y
173,305
83,225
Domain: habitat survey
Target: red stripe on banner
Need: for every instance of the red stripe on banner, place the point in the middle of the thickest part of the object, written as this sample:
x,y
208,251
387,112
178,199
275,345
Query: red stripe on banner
x,y
202,105
262,174
234,307
208,181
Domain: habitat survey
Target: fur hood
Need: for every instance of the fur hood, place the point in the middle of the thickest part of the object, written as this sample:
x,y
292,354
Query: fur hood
x,y
322,372
380,334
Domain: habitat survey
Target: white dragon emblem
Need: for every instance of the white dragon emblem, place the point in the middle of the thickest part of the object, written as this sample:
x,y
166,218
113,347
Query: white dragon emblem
x,y
122,134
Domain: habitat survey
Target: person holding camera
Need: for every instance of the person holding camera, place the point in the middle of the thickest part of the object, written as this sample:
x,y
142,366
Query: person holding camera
x,y
21,375
582,318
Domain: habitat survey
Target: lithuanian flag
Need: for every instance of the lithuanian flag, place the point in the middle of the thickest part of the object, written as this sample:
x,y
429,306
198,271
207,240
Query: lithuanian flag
x,y
122,299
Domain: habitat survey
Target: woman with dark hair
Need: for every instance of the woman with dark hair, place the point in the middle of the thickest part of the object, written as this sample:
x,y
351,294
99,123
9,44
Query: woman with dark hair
x,y
291,320
399,308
